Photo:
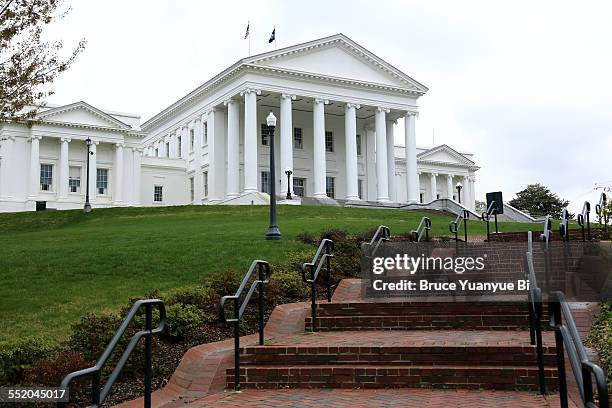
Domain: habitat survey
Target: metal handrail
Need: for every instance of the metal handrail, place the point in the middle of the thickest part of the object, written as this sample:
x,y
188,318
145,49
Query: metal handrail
x,y
546,234
263,269
99,395
423,228
322,257
564,225
602,213
567,337
486,216
455,226
534,305
382,234
585,216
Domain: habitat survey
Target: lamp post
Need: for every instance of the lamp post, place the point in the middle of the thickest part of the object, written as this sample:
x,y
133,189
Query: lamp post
x,y
87,207
273,231
459,187
289,173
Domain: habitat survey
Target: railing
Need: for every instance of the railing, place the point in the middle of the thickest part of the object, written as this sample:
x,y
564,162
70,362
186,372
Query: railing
x,y
564,226
602,211
546,233
423,229
99,395
583,217
534,305
567,340
263,279
455,226
322,257
382,234
486,216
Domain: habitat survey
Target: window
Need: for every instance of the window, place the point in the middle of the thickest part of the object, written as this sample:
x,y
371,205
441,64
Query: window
x,y
74,179
156,152
205,184
179,142
298,142
330,187
205,135
46,177
329,141
102,180
360,189
265,182
264,134
191,140
191,189
421,197
158,194
358,138
299,186
167,149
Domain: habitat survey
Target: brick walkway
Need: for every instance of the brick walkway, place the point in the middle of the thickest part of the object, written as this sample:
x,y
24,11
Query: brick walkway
x,y
404,398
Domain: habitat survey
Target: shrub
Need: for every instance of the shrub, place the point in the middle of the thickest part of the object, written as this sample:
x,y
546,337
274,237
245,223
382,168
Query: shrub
x,y
286,286
182,321
222,283
92,333
347,260
335,235
295,260
51,371
18,355
306,238
600,337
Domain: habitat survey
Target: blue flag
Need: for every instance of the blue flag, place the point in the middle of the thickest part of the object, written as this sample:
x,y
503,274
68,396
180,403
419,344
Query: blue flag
x,y
272,36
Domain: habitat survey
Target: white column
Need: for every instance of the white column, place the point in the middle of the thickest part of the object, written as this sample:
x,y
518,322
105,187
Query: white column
x,y
34,166
174,146
449,186
198,177
6,170
118,174
286,141
433,185
250,139
472,193
382,191
371,163
217,154
350,140
465,192
233,148
320,165
391,160
93,171
63,168
136,161
185,143
412,178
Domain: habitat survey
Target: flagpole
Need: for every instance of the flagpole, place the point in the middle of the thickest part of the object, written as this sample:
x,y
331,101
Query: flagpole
x,y
274,37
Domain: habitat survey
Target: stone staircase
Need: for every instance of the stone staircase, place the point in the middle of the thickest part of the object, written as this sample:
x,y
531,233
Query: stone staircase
x,y
402,344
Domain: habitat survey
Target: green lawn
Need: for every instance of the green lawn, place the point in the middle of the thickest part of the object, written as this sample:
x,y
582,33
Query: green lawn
x,y
58,266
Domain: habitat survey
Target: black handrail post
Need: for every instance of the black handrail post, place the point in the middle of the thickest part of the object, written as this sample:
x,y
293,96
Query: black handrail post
x,y
587,384
148,355
237,344
588,220
496,229
466,216
260,290
328,268
313,299
540,350
554,308
95,388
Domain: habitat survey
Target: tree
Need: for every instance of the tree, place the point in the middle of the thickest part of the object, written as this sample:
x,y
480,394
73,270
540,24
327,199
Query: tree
x,y
28,63
539,200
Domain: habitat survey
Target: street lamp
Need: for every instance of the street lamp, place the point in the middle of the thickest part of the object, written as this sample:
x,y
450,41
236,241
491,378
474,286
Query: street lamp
x,y
273,231
459,187
289,173
87,207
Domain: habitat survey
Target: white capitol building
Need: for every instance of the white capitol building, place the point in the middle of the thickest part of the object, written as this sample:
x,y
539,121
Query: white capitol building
x,y
336,105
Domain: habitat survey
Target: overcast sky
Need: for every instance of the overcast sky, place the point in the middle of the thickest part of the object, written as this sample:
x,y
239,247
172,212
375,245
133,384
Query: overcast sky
x,y
525,86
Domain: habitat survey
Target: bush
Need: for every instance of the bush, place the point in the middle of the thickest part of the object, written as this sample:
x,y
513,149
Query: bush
x,y
18,355
222,283
306,238
335,235
92,333
202,297
51,371
295,260
346,262
286,286
600,337
182,321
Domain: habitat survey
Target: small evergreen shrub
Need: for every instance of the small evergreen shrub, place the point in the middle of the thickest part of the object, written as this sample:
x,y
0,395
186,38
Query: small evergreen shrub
x,y
16,356
306,238
182,321
286,286
335,235
600,338
50,372
223,283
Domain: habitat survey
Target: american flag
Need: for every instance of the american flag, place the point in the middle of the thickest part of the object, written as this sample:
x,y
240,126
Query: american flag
x,y
246,34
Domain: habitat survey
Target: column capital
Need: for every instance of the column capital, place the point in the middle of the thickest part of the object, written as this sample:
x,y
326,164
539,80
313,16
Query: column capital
x,y
288,96
119,145
352,105
65,139
382,109
11,138
35,137
321,100
185,126
249,91
197,119
411,113
449,175
226,102
433,173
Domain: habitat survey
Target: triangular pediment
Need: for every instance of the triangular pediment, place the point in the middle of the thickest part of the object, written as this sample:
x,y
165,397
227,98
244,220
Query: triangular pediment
x,y
339,57
81,113
444,154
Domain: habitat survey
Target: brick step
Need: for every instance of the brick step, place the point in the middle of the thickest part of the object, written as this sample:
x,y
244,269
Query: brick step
x,y
419,355
408,308
423,322
508,377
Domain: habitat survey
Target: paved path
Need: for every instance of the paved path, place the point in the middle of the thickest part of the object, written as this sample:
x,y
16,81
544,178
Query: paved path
x,y
404,398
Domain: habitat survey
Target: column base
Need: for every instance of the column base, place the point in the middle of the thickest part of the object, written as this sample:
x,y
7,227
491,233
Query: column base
x,y
383,200
353,198
320,195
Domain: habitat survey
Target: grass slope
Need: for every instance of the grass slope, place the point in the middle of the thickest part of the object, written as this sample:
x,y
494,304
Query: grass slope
x,y
59,266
